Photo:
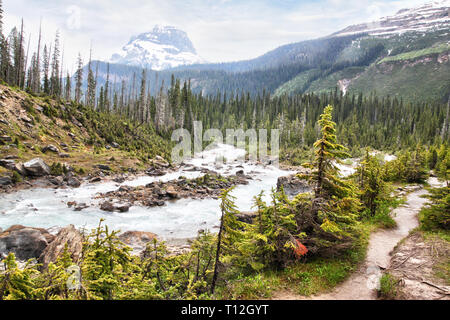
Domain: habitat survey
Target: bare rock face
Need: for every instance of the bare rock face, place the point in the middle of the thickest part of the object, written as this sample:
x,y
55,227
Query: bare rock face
x,y
70,236
292,185
25,243
36,167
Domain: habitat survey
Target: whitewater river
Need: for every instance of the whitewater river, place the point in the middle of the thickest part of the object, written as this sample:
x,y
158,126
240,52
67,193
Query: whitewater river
x,y
47,208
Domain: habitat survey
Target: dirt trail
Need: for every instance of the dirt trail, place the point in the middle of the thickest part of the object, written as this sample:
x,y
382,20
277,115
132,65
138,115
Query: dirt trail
x,y
361,285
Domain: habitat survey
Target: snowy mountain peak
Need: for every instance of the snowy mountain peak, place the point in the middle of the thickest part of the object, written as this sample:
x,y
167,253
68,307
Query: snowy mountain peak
x,y
434,15
162,48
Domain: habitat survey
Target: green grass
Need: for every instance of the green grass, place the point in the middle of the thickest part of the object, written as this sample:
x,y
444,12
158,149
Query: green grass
x,y
388,287
410,81
417,53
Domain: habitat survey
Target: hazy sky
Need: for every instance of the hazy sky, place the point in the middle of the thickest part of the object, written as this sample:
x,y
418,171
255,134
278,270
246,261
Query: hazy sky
x,y
221,30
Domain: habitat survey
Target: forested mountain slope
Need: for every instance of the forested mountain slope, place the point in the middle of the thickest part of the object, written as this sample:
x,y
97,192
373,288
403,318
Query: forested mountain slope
x,y
389,56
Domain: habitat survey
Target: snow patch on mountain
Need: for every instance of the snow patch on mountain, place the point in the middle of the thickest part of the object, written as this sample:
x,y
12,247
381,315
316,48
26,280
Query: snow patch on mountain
x,y
162,48
433,15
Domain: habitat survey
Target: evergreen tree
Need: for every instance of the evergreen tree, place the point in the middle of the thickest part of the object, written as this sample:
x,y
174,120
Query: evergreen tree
x,y
78,79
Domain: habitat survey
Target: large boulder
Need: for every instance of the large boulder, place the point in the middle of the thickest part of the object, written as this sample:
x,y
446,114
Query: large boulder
x,y
292,185
73,182
137,240
24,242
36,167
69,236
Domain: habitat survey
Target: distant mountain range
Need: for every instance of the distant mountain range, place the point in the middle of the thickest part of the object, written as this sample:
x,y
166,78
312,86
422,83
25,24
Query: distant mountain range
x,y
405,55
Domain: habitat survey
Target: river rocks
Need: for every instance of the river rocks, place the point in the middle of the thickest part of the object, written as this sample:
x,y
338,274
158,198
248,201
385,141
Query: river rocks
x,y
25,243
115,145
36,167
95,179
155,172
80,206
57,181
5,181
292,185
70,237
64,155
107,206
172,192
156,193
73,182
120,179
51,148
110,207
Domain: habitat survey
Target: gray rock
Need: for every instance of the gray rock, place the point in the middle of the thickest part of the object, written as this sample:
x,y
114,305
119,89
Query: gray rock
x,y
25,243
64,155
123,208
68,236
8,164
292,185
51,148
107,206
36,167
73,182
5,139
115,145
5,181
57,181
25,119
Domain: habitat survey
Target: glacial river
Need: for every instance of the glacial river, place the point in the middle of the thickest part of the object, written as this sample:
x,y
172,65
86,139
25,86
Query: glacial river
x,y
47,207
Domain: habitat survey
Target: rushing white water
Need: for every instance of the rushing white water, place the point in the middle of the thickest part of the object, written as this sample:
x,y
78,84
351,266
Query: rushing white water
x,y
47,208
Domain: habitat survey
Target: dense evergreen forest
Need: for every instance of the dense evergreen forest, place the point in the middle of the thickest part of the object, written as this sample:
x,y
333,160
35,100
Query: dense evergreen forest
x,y
382,123
326,229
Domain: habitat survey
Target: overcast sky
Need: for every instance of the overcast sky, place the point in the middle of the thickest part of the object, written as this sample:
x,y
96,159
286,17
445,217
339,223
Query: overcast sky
x,y
221,30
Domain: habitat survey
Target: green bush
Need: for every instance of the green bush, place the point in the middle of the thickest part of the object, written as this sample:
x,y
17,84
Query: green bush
x,y
388,287
437,215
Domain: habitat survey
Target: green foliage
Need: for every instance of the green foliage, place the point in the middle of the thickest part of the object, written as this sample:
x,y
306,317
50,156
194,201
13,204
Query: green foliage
x,y
17,283
410,167
16,177
436,216
388,287
329,217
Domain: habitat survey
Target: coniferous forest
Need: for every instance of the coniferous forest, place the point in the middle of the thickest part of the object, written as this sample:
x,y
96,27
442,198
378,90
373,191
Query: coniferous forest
x,y
356,163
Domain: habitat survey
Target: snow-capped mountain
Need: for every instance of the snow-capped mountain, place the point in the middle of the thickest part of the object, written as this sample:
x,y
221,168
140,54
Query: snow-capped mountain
x,y
162,48
432,15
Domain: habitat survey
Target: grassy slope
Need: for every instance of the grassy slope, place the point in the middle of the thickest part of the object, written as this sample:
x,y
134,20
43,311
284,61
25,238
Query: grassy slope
x,y
51,123
423,78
